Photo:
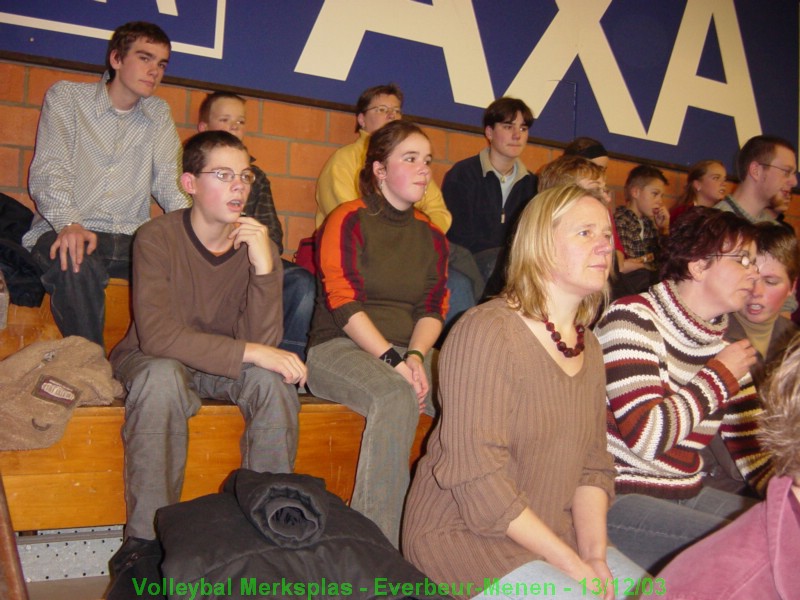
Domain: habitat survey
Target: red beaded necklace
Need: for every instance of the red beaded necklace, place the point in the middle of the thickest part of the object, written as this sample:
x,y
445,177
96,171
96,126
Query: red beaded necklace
x,y
561,345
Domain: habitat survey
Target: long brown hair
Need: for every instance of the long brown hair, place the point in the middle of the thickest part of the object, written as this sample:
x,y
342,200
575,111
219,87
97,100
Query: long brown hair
x,y
696,172
381,144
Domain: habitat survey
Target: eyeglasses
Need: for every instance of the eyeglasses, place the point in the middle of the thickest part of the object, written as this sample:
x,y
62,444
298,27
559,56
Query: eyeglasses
x,y
227,175
788,172
743,259
384,111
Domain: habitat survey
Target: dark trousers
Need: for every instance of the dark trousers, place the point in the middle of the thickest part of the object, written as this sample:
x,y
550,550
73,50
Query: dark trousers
x,y
78,299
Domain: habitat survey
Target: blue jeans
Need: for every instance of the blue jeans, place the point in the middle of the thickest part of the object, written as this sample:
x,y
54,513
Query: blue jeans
x,y
559,584
78,299
487,261
162,394
462,296
651,531
299,289
340,371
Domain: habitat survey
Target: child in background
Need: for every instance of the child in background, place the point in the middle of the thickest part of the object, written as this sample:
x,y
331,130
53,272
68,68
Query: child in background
x,y
705,186
225,111
642,222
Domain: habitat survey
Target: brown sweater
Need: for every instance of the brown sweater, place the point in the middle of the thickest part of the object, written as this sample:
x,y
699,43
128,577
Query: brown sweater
x,y
515,432
388,263
195,307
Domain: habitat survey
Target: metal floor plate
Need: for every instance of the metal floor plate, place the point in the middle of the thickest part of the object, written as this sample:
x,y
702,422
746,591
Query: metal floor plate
x,y
68,553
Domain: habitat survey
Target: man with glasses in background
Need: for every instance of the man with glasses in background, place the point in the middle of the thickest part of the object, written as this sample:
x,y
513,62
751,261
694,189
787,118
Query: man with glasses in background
x,y
767,167
338,181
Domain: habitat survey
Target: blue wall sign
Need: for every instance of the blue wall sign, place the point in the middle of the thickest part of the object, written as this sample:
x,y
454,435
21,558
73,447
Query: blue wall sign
x,y
674,80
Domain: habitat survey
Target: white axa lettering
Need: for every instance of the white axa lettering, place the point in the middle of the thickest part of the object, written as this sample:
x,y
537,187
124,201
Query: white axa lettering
x,y
574,33
682,86
341,25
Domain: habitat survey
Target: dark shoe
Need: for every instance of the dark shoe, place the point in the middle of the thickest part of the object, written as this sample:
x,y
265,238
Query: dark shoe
x,y
136,560
131,551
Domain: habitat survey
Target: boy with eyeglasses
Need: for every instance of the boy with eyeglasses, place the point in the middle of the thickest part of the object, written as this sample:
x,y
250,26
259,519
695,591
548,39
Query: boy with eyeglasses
x,y
206,320
767,167
225,111
102,149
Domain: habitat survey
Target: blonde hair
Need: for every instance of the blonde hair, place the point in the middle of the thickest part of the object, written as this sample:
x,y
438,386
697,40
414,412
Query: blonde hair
x,y
568,169
780,423
533,257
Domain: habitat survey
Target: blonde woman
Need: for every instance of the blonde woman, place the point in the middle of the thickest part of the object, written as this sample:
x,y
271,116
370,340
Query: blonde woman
x,y
517,479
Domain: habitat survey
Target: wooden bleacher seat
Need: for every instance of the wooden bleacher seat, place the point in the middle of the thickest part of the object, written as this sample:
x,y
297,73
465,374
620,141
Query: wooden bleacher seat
x,y
77,482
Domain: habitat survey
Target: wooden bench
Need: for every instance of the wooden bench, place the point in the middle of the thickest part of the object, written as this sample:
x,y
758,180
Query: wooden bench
x,y
78,481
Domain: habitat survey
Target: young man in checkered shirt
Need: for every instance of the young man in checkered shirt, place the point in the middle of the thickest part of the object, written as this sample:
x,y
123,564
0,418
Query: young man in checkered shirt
x,y
102,150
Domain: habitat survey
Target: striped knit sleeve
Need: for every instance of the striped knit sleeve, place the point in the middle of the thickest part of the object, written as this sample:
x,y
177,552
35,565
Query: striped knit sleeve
x,y
435,300
739,431
339,244
650,413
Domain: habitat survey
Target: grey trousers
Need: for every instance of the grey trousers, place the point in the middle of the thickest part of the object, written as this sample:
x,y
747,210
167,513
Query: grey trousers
x,y
340,371
162,395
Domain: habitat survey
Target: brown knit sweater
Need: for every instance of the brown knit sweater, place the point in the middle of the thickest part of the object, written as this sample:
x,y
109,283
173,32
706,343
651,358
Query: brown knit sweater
x,y
195,307
391,264
515,432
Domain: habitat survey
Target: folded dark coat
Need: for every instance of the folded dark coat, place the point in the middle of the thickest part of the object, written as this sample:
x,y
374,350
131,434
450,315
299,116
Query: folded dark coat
x,y
286,534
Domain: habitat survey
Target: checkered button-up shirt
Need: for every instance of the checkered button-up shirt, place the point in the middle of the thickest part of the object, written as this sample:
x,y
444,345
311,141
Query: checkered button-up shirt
x,y
261,207
638,235
98,167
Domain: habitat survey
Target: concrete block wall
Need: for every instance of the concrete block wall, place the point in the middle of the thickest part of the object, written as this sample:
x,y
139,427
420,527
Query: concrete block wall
x,y
291,142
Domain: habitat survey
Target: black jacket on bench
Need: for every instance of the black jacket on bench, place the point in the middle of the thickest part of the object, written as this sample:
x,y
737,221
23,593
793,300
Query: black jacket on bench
x,y
287,534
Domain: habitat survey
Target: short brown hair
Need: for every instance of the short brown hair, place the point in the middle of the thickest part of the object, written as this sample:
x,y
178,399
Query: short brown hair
x,y
568,170
369,94
781,244
505,109
381,144
780,423
197,148
761,149
640,176
700,233
125,35
208,103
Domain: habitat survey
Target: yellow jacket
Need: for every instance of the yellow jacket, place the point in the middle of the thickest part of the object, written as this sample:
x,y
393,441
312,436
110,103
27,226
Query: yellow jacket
x,y
338,183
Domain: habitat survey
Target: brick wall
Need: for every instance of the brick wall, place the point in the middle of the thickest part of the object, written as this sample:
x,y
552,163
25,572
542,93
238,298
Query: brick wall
x,y
290,141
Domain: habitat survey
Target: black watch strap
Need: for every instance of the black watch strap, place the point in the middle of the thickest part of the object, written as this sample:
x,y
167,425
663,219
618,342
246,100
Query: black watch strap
x,y
391,357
